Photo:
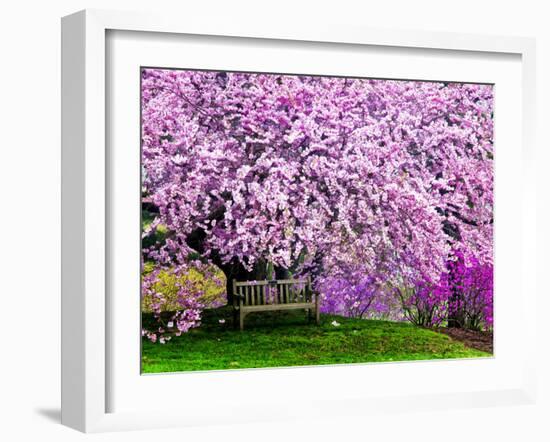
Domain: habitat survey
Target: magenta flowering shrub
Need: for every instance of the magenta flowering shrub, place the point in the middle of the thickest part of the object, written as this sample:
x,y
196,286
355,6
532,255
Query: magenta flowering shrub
x,y
470,286
463,295
425,303
317,175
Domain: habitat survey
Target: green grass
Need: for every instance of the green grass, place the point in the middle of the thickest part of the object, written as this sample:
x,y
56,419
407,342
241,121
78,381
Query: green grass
x,y
286,339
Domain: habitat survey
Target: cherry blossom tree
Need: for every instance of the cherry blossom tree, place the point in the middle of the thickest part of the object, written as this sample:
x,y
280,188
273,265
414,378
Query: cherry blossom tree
x,y
317,174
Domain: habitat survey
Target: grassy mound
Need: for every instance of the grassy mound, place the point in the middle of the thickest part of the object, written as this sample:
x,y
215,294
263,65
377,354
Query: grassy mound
x,y
286,339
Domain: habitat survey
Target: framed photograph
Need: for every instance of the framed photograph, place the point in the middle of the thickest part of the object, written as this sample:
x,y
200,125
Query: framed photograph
x,y
285,222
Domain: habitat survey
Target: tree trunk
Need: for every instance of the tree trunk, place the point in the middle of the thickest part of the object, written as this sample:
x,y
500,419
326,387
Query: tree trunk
x,y
454,320
233,269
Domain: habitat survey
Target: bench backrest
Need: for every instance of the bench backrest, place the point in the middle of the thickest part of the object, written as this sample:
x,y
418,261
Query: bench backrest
x,y
278,291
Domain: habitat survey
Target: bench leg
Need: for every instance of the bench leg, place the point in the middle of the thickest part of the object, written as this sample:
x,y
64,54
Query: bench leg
x,y
241,320
317,316
235,318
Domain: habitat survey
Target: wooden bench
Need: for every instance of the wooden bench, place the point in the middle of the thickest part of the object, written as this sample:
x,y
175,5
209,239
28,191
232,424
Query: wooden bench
x,y
280,294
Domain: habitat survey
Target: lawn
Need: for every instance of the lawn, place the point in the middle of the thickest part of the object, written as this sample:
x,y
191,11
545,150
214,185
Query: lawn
x,y
286,339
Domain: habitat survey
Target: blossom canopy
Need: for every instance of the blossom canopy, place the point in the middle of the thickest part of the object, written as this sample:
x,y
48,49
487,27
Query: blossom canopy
x,y
340,175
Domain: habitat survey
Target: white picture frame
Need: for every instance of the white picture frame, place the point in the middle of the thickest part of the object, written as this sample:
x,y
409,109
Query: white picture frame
x,y
85,236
